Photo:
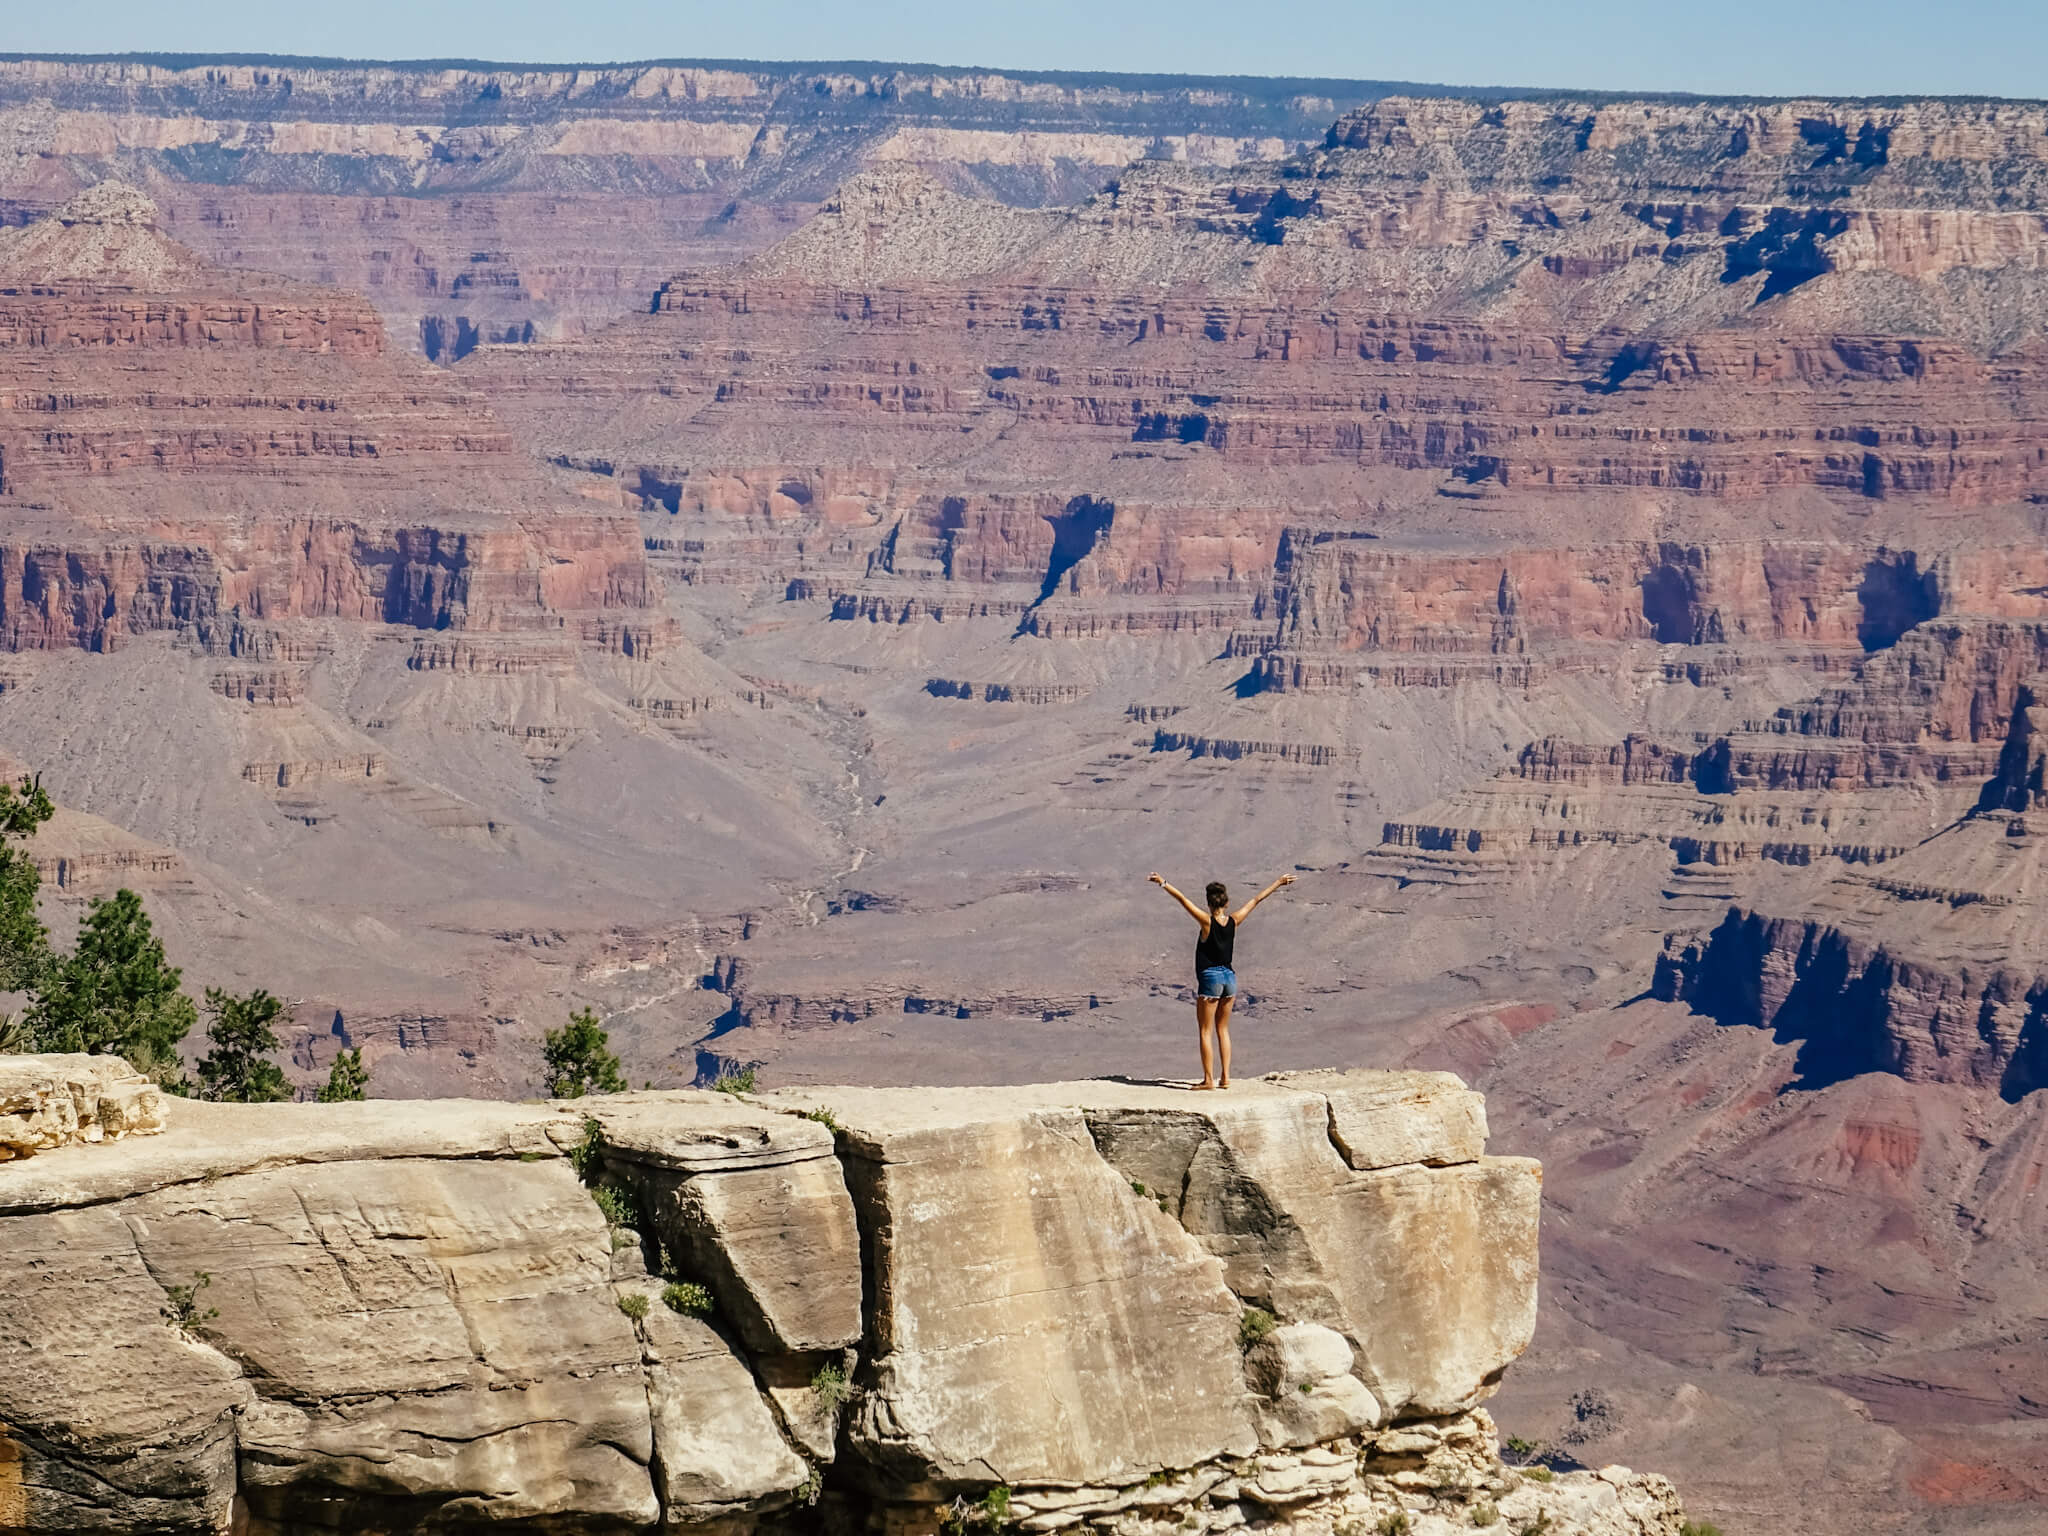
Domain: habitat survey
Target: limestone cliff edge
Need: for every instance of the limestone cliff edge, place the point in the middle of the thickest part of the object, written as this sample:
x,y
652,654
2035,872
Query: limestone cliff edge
x,y
1107,1305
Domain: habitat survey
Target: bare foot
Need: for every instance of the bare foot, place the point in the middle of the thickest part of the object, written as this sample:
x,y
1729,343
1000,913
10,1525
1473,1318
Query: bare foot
x,y
1224,1084
1199,1087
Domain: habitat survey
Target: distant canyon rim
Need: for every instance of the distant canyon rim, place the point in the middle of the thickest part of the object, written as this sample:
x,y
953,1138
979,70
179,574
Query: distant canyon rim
x,y
776,553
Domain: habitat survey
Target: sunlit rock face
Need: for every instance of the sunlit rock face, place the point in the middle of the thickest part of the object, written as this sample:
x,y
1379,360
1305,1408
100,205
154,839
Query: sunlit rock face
x,y
1089,1300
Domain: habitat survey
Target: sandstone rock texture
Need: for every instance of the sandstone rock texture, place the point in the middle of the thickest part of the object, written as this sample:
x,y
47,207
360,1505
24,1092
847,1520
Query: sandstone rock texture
x,y
70,1100
889,1306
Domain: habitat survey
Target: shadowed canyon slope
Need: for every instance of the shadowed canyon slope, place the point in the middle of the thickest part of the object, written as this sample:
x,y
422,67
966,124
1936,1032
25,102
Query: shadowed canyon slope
x,y
1597,545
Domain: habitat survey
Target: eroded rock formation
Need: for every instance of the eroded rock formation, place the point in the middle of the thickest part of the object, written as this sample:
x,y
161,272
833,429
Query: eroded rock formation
x,y
160,409
1074,1306
488,204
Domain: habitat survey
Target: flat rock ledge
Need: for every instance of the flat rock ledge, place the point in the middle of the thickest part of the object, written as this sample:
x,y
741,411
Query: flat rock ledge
x,y
1102,1305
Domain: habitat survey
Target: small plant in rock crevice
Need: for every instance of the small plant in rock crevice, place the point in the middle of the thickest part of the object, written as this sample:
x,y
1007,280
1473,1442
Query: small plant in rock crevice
x,y
995,1508
583,1157
1536,1527
616,1204
829,1385
1537,1474
1702,1528
181,1308
1484,1514
991,1514
1256,1323
686,1297
1395,1524
634,1305
734,1083
824,1117
808,1490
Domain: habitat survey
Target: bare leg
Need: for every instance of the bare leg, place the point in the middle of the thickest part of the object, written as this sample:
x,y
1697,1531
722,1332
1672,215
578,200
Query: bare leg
x,y
1205,1014
1223,1038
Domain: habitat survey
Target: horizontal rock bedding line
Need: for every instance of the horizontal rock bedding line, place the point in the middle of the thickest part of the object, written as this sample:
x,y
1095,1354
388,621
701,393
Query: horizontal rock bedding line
x,y
671,1308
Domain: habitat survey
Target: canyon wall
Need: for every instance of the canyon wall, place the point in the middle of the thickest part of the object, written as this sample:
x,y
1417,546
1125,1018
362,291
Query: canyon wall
x,y
182,448
474,202
1064,1307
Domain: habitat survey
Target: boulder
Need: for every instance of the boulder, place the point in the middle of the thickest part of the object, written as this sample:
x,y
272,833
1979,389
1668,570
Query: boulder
x,y
716,1446
1304,1371
61,1100
750,1202
1384,1119
1033,1319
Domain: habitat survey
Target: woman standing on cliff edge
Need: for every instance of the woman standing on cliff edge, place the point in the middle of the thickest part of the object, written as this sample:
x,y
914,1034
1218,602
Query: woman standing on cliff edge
x,y
1215,975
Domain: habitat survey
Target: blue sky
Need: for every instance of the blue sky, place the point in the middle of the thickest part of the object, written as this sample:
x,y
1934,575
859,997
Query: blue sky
x,y
1759,47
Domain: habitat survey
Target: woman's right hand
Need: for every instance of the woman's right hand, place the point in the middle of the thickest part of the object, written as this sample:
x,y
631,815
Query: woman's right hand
x,y
1156,878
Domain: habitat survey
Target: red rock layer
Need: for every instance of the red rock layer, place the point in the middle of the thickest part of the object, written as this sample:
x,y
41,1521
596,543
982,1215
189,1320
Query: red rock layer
x,y
167,457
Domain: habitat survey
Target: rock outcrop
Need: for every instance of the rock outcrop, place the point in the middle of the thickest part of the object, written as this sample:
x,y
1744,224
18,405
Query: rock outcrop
x,y
65,1101
1924,967
1070,1306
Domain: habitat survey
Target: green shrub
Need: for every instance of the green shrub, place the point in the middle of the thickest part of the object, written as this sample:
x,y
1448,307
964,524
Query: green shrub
x,y
576,1059
990,1515
115,992
1535,1527
634,1305
242,1033
686,1297
830,1385
181,1306
25,955
1256,1323
616,1205
823,1116
1538,1474
1700,1528
1484,1514
808,1490
1396,1524
738,1082
1517,1446
995,1508
348,1080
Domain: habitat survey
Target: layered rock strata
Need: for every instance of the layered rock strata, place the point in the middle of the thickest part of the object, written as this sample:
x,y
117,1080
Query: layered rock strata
x,y
158,411
491,203
1283,404
1065,1307
1921,968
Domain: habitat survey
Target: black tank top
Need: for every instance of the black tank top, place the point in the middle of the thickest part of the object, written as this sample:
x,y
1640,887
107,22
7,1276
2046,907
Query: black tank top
x,y
1213,948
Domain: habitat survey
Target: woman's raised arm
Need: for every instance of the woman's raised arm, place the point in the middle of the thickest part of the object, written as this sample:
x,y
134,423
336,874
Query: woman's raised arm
x,y
1193,911
1245,911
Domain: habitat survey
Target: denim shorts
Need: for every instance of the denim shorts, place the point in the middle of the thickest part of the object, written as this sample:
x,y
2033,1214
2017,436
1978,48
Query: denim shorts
x,y
1218,981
